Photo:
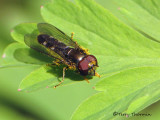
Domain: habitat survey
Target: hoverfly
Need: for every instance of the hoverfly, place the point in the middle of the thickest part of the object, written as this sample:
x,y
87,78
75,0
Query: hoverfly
x,y
51,41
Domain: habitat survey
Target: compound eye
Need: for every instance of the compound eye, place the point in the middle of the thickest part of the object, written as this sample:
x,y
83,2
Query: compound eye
x,y
83,67
87,65
92,60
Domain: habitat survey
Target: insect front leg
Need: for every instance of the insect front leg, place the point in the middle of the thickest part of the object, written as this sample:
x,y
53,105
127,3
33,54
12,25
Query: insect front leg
x,y
57,62
80,47
84,50
62,78
96,74
86,79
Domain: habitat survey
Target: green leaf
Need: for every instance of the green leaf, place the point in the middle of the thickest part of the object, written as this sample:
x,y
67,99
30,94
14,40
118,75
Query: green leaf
x,y
129,61
8,55
120,64
104,104
142,16
22,29
122,93
151,7
16,54
47,76
115,38
125,49
27,55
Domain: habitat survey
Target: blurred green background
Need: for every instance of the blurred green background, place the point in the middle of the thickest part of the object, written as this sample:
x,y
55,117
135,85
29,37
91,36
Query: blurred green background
x,y
45,104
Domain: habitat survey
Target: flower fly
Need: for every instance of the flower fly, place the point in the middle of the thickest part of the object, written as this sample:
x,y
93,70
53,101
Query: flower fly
x,y
51,41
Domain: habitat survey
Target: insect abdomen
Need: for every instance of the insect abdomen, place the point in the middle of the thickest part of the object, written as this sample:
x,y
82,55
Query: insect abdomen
x,y
51,43
69,54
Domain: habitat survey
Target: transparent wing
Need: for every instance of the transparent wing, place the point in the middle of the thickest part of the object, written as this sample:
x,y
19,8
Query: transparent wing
x,y
31,41
45,28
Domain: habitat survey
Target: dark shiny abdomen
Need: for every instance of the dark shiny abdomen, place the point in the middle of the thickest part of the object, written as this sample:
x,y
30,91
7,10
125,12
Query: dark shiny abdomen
x,y
67,53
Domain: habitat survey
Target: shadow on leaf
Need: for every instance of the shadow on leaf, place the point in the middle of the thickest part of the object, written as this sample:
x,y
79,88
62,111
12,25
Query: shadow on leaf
x,y
29,56
70,74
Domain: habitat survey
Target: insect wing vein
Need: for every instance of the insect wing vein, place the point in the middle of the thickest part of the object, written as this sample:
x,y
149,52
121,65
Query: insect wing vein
x,y
51,30
31,41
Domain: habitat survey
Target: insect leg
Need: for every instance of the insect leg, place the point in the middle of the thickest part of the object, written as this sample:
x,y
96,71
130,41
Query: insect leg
x,y
72,34
80,47
63,77
96,74
86,79
84,50
57,62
